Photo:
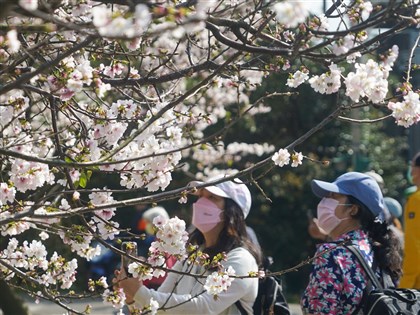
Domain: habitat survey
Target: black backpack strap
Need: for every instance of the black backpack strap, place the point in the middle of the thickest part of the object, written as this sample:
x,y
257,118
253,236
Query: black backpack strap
x,y
365,266
241,308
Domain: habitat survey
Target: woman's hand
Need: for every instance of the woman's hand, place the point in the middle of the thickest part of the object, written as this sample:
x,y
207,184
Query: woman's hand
x,y
129,285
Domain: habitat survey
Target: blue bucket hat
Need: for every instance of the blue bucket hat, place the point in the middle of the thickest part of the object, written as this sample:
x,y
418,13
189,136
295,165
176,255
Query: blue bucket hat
x,y
358,185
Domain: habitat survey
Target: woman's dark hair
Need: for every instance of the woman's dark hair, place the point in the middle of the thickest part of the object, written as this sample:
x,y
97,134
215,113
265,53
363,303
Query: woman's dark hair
x,y
233,234
386,246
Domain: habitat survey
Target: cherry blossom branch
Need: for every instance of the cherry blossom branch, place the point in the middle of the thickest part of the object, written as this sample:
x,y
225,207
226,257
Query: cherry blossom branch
x,y
206,65
364,121
26,54
411,56
26,77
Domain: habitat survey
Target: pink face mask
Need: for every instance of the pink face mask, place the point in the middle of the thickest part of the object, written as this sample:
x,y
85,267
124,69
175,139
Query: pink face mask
x,y
327,220
206,215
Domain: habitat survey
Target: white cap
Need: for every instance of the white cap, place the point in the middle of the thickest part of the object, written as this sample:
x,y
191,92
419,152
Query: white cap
x,y
378,178
235,190
152,213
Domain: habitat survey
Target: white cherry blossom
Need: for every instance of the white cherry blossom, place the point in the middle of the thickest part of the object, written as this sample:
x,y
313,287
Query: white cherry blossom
x,y
296,158
281,157
297,78
407,112
290,13
219,281
29,5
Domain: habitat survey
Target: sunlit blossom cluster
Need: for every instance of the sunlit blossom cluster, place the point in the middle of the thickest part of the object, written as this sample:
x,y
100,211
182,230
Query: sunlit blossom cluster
x,y
19,226
297,78
111,25
9,44
369,81
282,157
31,259
360,11
93,285
140,271
79,240
240,149
17,104
342,46
7,193
29,5
116,298
14,227
219,281
26,175
75,74
406,112
171,238
291,13
327,83
153,306
98,198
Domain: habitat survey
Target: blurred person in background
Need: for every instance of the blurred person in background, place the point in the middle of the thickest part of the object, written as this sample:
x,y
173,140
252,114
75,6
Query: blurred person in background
x,y
393,218
411,265
144,227
146,224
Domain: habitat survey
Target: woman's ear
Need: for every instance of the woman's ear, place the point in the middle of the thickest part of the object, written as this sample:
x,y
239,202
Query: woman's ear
x,y
354,210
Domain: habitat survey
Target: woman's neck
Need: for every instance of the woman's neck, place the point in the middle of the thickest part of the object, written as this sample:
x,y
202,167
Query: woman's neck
x,y
211,237
344,228
210,240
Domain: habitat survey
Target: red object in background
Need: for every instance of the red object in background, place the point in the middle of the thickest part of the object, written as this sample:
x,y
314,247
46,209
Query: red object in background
x,y
141,225
155,282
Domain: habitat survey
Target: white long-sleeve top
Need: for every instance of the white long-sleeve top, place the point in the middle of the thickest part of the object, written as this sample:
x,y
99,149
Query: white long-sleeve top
x,y
186,292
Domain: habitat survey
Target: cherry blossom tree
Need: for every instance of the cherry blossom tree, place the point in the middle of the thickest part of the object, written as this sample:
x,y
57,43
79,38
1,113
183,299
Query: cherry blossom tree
x,y
143,89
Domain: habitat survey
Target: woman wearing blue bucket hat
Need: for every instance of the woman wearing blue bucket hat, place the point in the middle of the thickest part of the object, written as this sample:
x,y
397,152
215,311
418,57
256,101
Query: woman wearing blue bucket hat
x,y
351,211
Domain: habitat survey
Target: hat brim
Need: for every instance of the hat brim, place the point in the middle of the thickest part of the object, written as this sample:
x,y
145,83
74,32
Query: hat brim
x,y
213,189
323,189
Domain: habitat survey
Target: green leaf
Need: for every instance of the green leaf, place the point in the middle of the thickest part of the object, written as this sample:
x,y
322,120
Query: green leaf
x,y
83,180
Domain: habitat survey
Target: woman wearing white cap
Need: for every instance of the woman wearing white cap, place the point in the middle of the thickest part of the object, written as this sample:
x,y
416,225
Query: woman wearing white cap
x,y
219,217
351,211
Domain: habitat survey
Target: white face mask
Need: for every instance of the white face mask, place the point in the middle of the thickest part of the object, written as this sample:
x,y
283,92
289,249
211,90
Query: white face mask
x,y
327,220
206,215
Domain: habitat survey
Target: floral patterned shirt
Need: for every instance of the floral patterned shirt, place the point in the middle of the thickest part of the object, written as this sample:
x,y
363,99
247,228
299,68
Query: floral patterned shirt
x,y
337,280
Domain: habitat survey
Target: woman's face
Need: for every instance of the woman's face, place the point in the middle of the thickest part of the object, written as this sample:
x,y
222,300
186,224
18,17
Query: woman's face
x,y
211,235
345,212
